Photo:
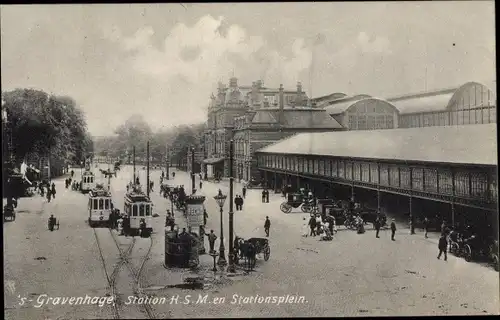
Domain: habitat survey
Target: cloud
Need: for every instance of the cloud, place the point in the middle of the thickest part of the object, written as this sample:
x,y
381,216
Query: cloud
x,y
140,39
208,51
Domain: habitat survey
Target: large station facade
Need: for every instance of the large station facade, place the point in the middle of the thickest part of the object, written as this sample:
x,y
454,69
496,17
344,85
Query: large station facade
x,y
449,171
256,117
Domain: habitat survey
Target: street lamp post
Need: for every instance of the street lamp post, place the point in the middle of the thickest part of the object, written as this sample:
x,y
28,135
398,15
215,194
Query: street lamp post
x,y
231,213
192,172
220,199
168,165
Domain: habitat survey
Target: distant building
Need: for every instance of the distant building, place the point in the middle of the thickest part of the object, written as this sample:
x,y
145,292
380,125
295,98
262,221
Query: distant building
x,y
255,116
260,127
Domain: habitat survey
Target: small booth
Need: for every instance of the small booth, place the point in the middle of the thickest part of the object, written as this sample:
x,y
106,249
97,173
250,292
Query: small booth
x,y
180,251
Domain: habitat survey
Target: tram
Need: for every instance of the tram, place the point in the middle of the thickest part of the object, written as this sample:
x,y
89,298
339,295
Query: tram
x,y
88,181
100,206
138,207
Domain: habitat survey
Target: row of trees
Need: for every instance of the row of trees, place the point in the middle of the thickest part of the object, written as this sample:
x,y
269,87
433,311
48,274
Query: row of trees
x,y
136,132
43,124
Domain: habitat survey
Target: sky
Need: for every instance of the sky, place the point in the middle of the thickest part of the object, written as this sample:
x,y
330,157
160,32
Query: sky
x,y
164,60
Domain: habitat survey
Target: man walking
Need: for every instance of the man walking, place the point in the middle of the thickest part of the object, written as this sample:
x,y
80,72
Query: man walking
x,y
426,226
53,191
312,225
263,195
241,203
211,240
267,226
393,229
201,184
376,224
442,246
244,191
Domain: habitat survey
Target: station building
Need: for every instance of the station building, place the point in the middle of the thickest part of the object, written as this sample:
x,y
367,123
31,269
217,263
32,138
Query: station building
x,y
449,171
470,103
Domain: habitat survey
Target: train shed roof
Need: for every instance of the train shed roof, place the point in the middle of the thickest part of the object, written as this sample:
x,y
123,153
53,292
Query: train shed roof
x,y
468,144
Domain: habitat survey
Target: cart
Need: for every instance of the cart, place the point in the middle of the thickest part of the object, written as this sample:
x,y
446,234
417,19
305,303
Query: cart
x,y
9,213
261,246
295,200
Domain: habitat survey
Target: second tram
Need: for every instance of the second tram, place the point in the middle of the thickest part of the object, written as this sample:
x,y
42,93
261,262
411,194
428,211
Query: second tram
x,y
100,206
138,208
88,182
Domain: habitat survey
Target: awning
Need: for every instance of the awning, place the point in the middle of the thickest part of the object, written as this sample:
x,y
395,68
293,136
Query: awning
x,y
212,160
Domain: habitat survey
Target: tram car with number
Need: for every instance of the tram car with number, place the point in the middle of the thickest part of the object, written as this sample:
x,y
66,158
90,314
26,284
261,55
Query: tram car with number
x,y
88,181
100,206
138,209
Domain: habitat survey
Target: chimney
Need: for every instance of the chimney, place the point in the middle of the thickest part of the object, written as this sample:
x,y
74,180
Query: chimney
x,y
282,104
299,87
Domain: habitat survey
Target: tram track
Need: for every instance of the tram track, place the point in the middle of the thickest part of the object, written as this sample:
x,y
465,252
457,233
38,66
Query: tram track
x,y
137,274
110,279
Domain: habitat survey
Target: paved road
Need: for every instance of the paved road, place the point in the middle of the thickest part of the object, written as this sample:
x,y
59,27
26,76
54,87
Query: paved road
x,y
352,275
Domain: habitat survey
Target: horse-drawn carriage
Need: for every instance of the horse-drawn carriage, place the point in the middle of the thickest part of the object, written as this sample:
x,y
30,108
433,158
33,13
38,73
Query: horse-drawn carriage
x,y
474,247
174,194
249,249
296,200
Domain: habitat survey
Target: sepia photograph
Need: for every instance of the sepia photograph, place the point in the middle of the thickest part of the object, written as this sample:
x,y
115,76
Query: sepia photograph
x,y
249,160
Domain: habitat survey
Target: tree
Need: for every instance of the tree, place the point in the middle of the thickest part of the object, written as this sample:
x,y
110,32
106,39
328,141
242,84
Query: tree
x,y
46,124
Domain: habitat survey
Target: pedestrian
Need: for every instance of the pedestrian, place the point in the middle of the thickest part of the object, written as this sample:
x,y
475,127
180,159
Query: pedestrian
x,y
412,224
236,202
393,229
267,226
305,228
49,194
267,195
263,195
318,224
244,191
442,246
312,225
205,216
376,224
241,203
426,226
53,191
137,182
201,184
72,173
211,240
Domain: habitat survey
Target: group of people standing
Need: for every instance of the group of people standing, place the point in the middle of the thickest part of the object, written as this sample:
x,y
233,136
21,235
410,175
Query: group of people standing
x,y
51,189
265,196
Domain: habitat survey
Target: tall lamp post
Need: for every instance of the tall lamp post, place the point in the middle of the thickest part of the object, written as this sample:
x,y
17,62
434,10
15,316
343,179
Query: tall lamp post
x,y
192,172
220,199
231,213
168,164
